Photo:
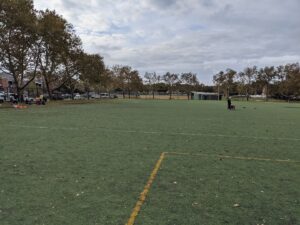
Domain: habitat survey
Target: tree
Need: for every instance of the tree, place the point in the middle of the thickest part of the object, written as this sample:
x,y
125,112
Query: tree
x,y
229,80
171,79
246,78
70,70
218,80
225,81
189,81
121,78
152,79
107,81
60,46
265,76
127,79
281,76
19,42
71,85
91,70
289,76
135,82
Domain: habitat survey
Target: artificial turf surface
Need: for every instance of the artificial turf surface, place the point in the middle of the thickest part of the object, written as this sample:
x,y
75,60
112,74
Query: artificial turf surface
x,y
87,164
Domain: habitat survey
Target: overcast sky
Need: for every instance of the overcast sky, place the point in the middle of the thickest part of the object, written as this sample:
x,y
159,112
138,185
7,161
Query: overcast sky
x,y
200,36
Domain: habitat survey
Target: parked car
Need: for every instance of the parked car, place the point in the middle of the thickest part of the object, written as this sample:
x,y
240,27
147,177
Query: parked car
x,y
57,97
95,96
78,97
2,97
104,95
29,100
11,97
66,96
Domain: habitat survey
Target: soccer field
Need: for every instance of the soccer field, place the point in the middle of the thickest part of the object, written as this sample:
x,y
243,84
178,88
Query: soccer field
x,y
88,164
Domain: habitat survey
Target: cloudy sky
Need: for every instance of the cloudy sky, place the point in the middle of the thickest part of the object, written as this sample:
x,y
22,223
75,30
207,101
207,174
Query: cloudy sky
x,y
200,36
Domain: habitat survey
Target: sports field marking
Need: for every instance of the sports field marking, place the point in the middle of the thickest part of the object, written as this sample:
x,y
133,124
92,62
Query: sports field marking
x,y
152,132
235,157
163,155
143,195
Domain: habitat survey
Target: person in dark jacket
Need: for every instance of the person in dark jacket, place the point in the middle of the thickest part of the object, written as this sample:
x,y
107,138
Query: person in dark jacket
x,y
229,103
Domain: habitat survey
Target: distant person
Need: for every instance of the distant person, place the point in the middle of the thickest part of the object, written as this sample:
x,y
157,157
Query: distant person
x,y
44,100
229,103
37,101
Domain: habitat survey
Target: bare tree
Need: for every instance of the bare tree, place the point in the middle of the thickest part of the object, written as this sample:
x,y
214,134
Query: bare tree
x,y
219,79
246,78
152,79
189,81
171,79
265,76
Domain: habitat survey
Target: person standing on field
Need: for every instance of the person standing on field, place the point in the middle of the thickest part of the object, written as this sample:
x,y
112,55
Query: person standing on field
x,y
229,103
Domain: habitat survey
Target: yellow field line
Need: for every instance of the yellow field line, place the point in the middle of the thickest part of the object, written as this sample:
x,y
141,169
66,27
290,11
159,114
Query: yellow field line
x,y
147,187
143,195
235,157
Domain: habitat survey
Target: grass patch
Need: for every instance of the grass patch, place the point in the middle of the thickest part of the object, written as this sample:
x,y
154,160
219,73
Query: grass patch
x,y
87,163
213,190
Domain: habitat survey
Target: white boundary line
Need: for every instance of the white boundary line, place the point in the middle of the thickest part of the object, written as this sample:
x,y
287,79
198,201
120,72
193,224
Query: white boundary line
x,y
153,132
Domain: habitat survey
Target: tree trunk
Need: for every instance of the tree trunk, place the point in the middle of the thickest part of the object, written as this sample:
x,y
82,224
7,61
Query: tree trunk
x,y
228,92
37,90
19,93
72,94
247,95
123,95
153,94
48,89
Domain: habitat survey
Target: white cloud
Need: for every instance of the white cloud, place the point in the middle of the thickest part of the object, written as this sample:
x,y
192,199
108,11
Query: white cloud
x,y
202,36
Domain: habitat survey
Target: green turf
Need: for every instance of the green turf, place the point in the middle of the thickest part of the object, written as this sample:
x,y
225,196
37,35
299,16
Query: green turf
x,y
235,192
87,164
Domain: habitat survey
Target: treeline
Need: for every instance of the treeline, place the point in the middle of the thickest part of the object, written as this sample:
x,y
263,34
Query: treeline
x,y
282,82
42,47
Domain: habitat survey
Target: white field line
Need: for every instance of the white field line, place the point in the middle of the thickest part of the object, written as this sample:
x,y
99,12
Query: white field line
x,y
153,132
232,157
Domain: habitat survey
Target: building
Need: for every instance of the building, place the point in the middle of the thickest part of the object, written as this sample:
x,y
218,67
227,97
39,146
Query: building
x,y
6,82
205,96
